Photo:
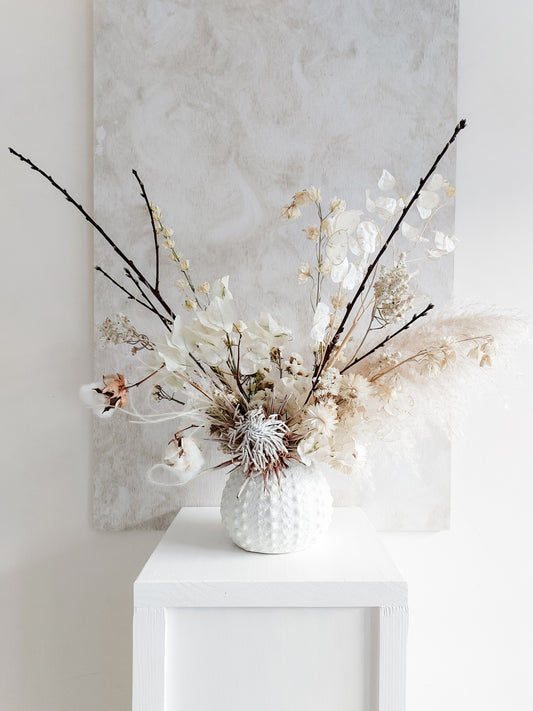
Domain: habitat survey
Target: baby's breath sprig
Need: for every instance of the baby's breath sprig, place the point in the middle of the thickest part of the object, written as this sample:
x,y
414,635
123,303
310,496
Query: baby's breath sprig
x,y
120,330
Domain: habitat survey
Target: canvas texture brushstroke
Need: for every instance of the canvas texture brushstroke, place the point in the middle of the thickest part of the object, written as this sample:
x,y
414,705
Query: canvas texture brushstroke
x,y
226,109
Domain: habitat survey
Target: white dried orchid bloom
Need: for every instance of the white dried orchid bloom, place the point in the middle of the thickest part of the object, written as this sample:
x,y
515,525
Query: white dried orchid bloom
x,y
386,207
346,221
412,234
337,247
320,322
175,352
367,236
370,205
219,315
444,244
255,355
313,449
345,274
386,182
341,228
207,343
437,182
220,288
426,203
268,330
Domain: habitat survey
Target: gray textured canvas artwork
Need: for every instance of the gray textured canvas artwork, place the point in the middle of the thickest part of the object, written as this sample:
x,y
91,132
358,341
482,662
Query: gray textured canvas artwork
x,y
226,108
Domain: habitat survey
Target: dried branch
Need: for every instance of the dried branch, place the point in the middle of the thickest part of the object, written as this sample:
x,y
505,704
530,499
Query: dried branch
x,y
390,337
116,248
154,231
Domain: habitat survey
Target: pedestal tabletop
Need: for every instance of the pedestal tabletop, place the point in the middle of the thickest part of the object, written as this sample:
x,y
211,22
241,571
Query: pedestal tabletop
x,y
197,565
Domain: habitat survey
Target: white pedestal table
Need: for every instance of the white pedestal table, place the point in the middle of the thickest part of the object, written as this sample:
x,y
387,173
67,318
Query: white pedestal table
x,y
217,628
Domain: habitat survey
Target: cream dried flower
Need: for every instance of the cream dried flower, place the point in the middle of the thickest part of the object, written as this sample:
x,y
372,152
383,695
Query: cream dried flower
x,y
322,418
184,264
290,212
330,382
156,213
204,288
325,267
337,205
312,233
304,197
357,387
339,301
181,284
327,226
304,272
294,366
436,359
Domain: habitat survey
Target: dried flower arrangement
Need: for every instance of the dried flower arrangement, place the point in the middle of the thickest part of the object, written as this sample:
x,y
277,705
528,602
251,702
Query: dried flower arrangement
x,y
376,351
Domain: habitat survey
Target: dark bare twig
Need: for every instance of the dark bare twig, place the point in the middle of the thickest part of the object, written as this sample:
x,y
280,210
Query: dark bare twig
x,y
154,231
390,337
100,230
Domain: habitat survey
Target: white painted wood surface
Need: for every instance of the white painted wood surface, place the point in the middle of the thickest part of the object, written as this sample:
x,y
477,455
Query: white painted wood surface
x,y
196,567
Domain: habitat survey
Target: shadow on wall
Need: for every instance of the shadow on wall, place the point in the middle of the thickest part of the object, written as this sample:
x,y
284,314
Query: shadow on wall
x,y
72,621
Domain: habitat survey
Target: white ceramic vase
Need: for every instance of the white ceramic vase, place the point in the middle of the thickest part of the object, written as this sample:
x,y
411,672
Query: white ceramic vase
x,y
279,518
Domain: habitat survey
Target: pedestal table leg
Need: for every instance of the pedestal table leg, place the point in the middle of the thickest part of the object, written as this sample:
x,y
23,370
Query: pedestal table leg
x,y
392,657
148,659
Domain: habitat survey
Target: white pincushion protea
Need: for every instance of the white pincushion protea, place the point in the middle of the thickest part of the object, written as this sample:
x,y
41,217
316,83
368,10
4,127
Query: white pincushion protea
x,y
257,442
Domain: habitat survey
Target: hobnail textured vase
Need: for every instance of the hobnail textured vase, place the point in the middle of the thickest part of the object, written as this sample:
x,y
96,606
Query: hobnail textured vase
x,y
278,518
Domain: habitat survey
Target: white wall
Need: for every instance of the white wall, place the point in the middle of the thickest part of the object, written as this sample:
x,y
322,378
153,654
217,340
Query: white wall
x,y
65,589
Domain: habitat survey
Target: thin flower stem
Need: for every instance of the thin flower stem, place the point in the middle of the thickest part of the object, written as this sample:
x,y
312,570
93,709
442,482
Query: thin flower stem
x,y
140,382
185,273
460,126
390,337
319,255
154,231
99,229
234,367
359,315
369,328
